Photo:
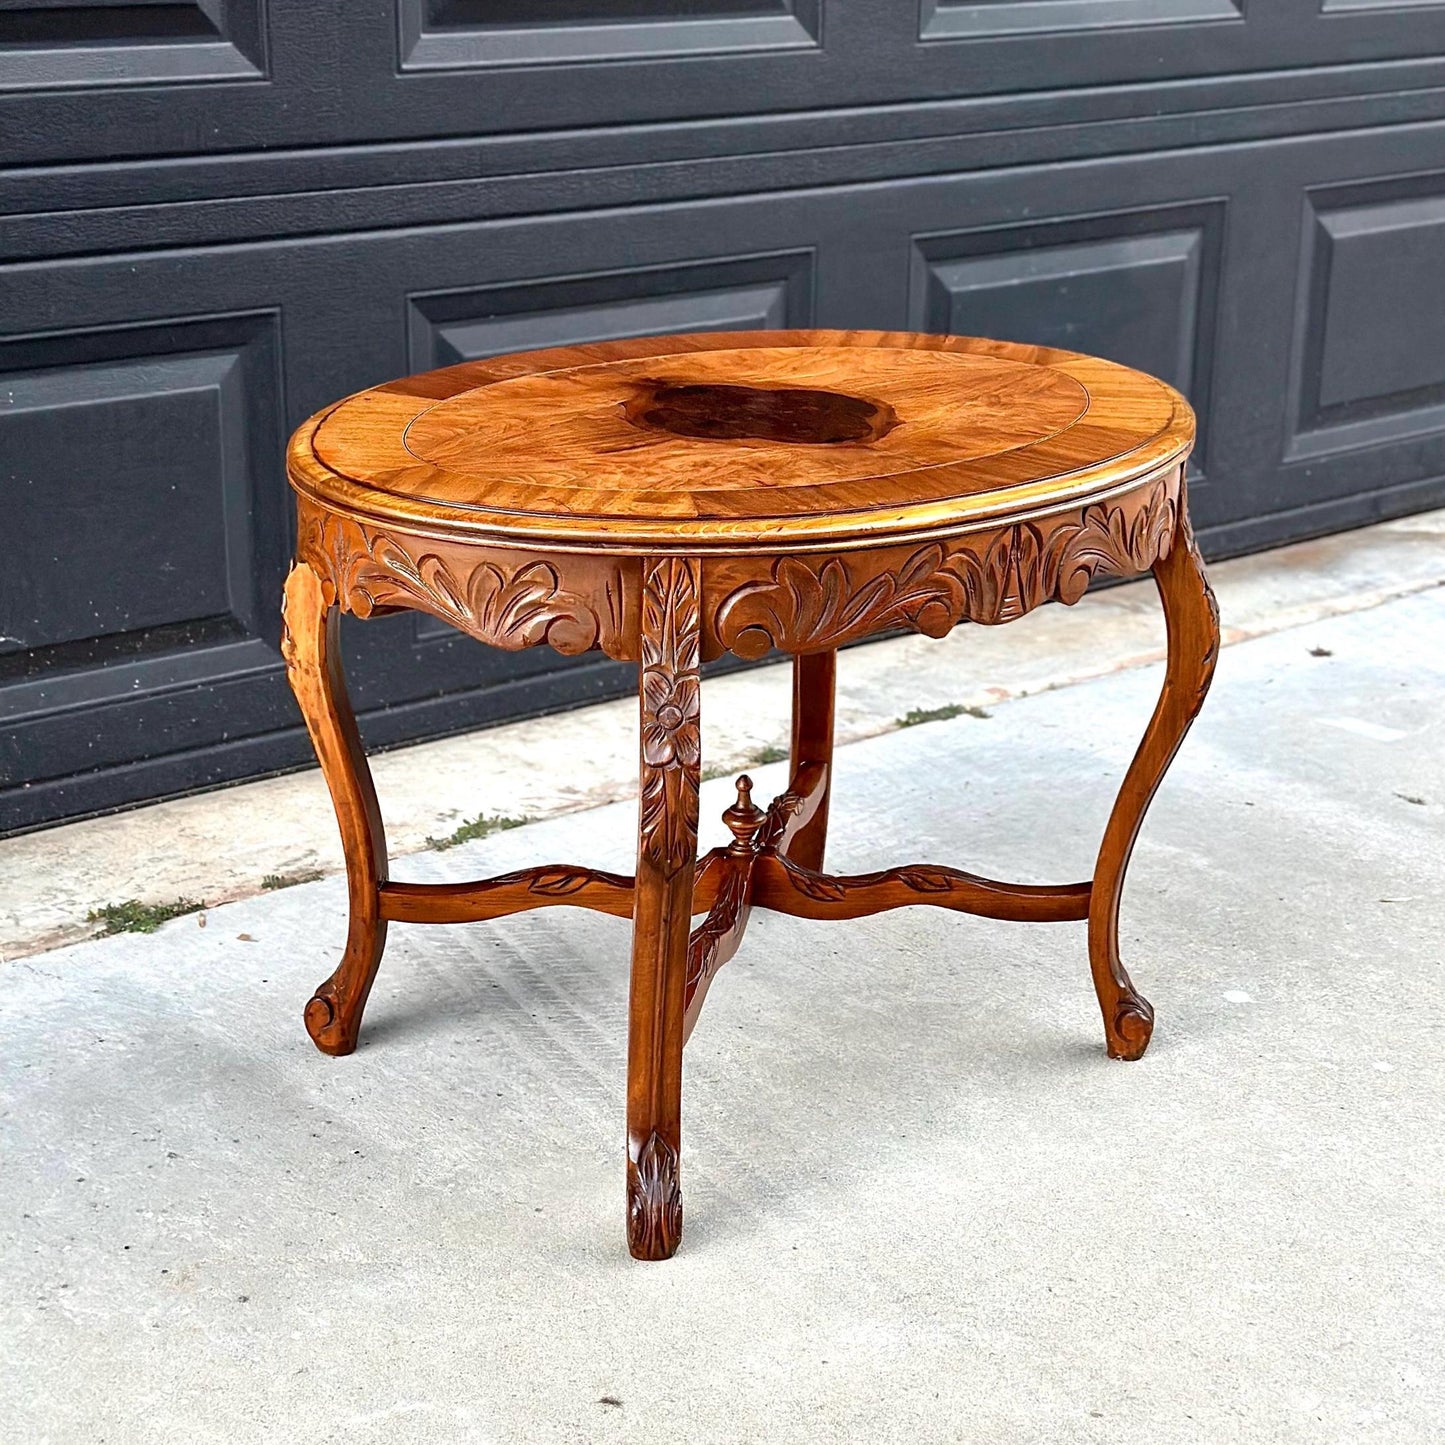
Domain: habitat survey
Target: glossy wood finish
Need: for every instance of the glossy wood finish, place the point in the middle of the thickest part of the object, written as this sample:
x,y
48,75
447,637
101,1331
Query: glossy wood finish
x,y
311,646
814,683
559,885
686,497
670,691
783,886
717,939
518,892
1192,617
557,445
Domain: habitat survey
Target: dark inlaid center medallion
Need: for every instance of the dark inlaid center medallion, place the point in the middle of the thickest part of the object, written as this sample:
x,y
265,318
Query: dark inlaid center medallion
x,y
723,412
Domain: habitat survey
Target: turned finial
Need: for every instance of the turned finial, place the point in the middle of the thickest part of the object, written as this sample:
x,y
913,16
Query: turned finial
x,y
744,818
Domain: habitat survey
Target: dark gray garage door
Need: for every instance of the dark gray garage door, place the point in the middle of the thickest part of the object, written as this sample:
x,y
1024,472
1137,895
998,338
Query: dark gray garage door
x,y
217,215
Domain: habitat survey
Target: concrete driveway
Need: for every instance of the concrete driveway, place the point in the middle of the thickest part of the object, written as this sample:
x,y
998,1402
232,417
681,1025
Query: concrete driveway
x,y
921,1203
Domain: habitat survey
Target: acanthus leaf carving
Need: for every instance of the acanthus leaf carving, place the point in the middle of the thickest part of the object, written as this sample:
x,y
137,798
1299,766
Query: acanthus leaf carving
x,y
805,600
1112,540
654,1200
1210,655
988,577
559,882
822,886
511,604
923,879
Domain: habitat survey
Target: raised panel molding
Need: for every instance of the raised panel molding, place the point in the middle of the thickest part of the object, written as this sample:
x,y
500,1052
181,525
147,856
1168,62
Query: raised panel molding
x,y
461,34
144,503
1368,368
979,19
1138,287
63,44
1336,7
733,294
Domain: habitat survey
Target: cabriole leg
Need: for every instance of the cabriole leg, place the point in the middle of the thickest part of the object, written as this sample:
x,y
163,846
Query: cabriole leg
x,y
1192,618
814,675
311,646
670,691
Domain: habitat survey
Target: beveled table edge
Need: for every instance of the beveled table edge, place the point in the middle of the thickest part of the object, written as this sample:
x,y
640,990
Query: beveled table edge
x,y
344,496
698,537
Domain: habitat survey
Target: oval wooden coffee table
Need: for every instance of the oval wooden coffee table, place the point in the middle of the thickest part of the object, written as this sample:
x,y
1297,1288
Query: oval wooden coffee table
x,y
671,499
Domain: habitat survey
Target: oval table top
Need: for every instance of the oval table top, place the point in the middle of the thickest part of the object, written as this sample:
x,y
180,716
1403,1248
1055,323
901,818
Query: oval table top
x,y
740,440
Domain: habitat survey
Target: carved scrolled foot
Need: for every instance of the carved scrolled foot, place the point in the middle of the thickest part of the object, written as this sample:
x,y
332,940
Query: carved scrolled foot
x,y
1131,1028
324,1023
333,1015
654,1201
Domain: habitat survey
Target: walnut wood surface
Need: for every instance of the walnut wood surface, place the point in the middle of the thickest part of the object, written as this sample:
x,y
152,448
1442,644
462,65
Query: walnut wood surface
x,y
717,938
561,885
800,602
668,500
311,645
558,885
813,601
670,692
814,683
740,440
784,887
1192,617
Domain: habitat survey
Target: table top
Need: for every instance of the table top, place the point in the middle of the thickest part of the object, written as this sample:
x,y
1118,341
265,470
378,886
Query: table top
x,y
741,440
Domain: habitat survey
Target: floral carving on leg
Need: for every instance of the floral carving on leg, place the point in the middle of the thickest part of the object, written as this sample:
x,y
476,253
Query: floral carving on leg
x,y
670,705
671,694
